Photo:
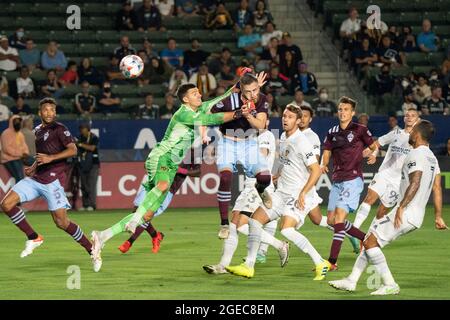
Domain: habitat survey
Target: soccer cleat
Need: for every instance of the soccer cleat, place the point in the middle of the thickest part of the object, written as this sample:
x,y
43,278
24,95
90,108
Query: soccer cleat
x,y
156,241
344,284
96,261
284,254
385,290
261,258
322,270
97,243
214,269
90,208
224,231
124,247
30,245
355,244
241,270
266,199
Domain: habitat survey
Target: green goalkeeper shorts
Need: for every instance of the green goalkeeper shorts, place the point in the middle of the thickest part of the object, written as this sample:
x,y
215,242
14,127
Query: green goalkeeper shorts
x,y
159,168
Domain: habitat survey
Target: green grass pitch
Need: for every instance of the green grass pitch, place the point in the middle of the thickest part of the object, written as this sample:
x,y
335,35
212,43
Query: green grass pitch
x,y
419,262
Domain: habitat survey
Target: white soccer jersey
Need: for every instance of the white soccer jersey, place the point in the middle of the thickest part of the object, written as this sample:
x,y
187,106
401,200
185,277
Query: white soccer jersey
x,y
296,155
313,138
419,159
266,140
397,151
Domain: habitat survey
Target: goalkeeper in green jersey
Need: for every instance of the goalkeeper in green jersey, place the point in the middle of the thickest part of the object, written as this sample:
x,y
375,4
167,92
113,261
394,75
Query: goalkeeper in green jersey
x,y
163,161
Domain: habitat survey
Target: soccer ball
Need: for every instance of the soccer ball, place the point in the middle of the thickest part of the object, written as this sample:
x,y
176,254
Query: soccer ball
x,y
131,66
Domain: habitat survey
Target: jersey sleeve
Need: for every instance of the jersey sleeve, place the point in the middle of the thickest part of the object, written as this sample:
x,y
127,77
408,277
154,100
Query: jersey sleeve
x,y
387,138
414,162
316,145
327,145
262,105
366,136
223,105
64,136
208,105
306,153
190,118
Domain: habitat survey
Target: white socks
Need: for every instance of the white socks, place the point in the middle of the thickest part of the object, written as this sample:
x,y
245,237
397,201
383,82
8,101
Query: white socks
x,y
254,240
323,222
243,229
302,243
377,258
270,228
361,214
358,268
229,246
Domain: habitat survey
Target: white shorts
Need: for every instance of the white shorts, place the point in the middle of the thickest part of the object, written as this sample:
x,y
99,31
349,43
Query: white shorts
x,y
384,230
386,188
249,200
284,204
29,189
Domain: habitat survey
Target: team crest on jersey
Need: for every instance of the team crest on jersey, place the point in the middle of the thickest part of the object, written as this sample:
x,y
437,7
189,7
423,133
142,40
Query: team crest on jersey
x,y
350,137
219,105
67,133
46,136
266,105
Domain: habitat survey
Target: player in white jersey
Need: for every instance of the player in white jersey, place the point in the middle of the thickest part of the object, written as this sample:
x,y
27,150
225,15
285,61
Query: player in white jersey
x,y
420,175
293,199
247,203
385,184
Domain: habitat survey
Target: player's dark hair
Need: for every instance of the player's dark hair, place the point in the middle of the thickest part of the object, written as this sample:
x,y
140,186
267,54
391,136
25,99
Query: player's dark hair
x,y
348,100
47,101
309,109
426,129
248,78
183,89
293,108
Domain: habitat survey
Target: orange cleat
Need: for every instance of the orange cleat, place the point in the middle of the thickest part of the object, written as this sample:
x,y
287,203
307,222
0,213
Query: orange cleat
x,y
125,246
157,242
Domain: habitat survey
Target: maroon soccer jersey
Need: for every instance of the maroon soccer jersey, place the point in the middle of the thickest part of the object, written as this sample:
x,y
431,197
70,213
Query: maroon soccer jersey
x,y
52,139
346,148
234,102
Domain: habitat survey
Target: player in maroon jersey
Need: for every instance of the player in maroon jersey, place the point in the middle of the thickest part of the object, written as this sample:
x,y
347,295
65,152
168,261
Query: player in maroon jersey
x,y
46,178
345,143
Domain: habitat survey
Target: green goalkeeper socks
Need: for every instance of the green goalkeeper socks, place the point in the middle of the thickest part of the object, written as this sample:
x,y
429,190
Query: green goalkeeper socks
x,y
152,201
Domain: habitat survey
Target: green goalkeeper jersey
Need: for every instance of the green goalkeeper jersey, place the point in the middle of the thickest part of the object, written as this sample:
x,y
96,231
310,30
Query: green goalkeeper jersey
x,y
179,135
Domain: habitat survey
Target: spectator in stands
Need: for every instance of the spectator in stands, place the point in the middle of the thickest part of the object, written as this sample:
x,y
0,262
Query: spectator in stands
x,y
113,73
205,81
348,30
21,108
250,42
30,56
322,106
288,45
262,16
216,64
275,84
24,84
299,99
172,55
177,78
4,88
165,7
364,57
445,69
207,6
288,67
9,57
363,119
194,57
124,49
304,80
108,102
226,77
388,53
447,148
89,164
422,90
274,109
70,77
148,110
84,101
427,39
149,17
243,16
53,58
87,72
169,108
435,104
30,138
147,46
408,102
187,8
384,81
51,86
394,33
269,33
393,122
156,72
219,18
407,40
268,56
4,112
17,40
126,18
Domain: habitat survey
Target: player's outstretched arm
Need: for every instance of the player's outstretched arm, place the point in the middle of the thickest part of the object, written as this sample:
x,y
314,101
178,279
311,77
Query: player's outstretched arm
x,y
437,200
69,152
207,105
325,161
